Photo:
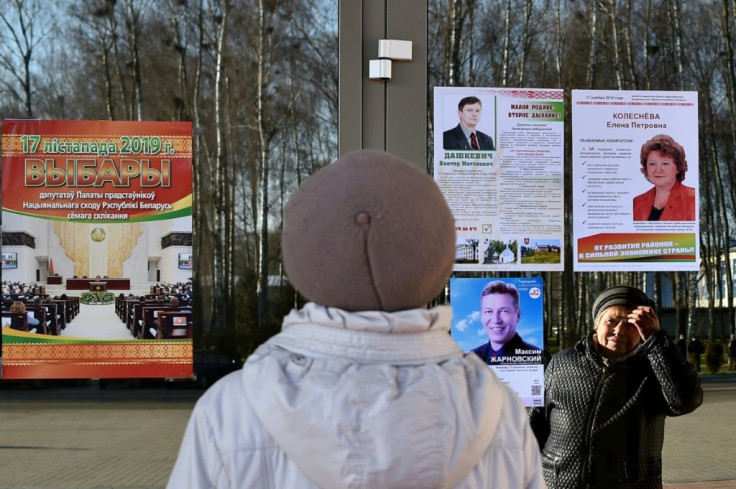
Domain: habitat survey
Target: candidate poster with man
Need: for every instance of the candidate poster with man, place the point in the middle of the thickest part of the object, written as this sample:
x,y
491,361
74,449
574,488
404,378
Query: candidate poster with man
x,y
501,320
635,181
97,214
498,159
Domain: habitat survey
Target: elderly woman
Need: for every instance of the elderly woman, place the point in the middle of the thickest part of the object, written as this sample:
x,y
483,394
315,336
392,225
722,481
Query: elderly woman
x,y
664,165
607,397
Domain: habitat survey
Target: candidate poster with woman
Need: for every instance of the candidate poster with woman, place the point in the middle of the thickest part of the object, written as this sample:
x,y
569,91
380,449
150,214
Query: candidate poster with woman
x,y
635,180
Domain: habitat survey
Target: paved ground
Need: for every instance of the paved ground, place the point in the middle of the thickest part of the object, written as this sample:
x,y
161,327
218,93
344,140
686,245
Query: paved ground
x,y
78,437
725,484
702,485
699,448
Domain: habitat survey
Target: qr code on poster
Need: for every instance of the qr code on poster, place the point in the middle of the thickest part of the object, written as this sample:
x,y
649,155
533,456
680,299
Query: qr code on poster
x,y
536,390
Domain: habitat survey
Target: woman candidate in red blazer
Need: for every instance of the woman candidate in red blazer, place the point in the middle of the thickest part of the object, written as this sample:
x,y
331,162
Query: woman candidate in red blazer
x,y
664,165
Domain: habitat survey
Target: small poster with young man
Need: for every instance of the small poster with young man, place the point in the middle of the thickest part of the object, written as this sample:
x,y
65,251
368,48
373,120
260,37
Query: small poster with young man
x,y
501,321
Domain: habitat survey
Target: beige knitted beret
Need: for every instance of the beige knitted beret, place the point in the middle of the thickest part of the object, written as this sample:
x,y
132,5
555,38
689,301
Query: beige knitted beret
x,y
369,232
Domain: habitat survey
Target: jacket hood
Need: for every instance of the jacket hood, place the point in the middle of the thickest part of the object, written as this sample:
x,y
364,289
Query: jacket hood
x,y
374,399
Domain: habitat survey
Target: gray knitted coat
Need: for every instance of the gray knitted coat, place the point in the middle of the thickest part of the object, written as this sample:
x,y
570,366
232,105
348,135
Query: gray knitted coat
x,y
602,425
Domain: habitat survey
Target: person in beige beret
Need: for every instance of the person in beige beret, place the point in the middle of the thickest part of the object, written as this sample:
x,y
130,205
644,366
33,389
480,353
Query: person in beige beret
x,y
363,387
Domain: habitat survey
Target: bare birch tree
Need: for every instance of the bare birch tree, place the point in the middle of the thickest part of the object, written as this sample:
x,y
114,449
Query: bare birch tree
x,y
221,311
134,11
593,50
103,34
24,29
610,7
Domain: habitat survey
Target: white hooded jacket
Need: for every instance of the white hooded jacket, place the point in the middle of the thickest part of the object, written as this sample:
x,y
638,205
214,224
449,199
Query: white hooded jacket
x,y
342,400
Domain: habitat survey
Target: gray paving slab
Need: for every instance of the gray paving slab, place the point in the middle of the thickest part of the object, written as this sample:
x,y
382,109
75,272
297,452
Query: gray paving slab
x,y
80,438
128,440
700,446
702,485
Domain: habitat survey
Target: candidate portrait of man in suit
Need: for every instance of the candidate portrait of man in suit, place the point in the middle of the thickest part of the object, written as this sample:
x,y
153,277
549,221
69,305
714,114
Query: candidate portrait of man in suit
x,y
465,135
500,313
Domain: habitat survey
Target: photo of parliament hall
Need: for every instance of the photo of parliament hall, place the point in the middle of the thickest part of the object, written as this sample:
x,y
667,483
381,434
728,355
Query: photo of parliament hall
x,y
98,280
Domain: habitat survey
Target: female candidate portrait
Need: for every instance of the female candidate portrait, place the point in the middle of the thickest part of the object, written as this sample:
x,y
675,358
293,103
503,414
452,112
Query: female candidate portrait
x,y
664,165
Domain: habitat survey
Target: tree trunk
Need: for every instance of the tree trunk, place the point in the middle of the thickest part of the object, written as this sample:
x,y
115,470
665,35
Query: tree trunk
x,y
559,43
19,41
593,52
729,12
452,59
133,26
628,42
505,54
526,42
674,11
617,70
262,67
220,313
201,198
